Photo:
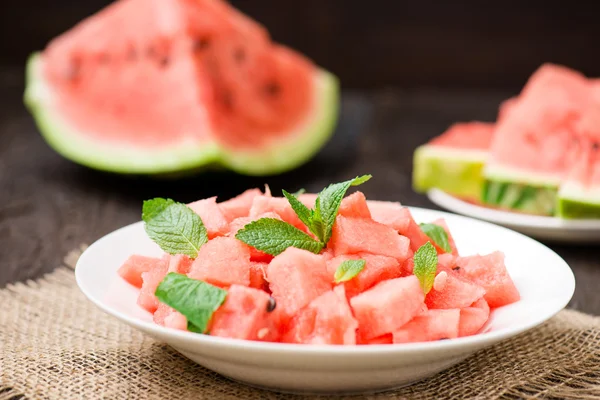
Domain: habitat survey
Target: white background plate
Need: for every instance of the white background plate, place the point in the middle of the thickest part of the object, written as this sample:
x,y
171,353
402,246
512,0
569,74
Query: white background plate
x,y
544,280
539,227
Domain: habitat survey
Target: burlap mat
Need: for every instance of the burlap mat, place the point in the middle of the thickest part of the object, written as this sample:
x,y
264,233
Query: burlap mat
x,y
54,344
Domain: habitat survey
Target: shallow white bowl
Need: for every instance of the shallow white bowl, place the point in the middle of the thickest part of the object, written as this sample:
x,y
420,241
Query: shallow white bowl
x,y
544,280
539,227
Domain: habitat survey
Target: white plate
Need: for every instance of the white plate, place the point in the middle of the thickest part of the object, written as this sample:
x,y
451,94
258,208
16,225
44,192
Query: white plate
x,y
539,227
544,280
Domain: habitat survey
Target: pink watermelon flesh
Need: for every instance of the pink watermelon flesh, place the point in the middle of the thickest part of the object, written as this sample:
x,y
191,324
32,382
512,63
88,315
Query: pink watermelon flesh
x,y
387,306
466,135
133,268
377,269
490,273
168,317
239,206
296,277
430,326
473,318
277,205
180,264
453,291
384,339
362,235
223,262
150,280
226,80
258,276
327,319
355,205
308,199
442,222
244,315
215,222
390,213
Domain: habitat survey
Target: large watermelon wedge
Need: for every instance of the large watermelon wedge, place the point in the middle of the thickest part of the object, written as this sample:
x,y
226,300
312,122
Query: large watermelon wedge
x,y
163,86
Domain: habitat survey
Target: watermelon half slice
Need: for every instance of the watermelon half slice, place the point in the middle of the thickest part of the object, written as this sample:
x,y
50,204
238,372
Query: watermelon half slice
x,y
163,86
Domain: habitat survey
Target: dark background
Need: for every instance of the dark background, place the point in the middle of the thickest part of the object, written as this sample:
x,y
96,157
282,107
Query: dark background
x,y
375,43
408,69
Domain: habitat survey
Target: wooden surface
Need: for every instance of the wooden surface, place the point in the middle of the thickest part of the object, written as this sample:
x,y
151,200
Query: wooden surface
x,y
49,206
494,44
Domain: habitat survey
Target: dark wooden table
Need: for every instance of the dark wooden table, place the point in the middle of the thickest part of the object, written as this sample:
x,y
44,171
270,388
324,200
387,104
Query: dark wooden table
x,y
49,206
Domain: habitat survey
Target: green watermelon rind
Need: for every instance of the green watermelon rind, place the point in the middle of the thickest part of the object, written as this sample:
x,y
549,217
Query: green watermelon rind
x,y
283,154
455,171
576,203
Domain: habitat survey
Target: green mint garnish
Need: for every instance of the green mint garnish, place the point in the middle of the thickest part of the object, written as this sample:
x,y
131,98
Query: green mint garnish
x,y
196,300
348,270
303,212
273,236
425,260
299,192
174,226
438,235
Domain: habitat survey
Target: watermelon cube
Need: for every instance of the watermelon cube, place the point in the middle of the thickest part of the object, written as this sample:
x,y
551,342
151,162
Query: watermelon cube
x,y
258,276
168,317
239,206
278,205
180,264
490,272
387,306
453,291
327,319
377,269
473,318
390,213
362,235
383,339
223,261
429,326
215,222
442,222
150,281
355,205
244,315
308,199
133,268
297,277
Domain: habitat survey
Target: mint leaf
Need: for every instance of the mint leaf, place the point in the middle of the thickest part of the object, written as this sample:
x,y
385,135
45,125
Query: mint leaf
x,y
273,236
329,200
174,226
426,261
438,235
196,300
348,270
299,192
299,208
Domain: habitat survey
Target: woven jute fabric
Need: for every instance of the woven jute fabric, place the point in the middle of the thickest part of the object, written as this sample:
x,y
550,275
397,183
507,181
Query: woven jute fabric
x,y
55,344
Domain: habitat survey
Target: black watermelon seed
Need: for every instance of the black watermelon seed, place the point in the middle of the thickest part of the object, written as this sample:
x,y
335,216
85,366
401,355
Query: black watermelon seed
x,y
272,89
444,338
271,304
200,44
455,268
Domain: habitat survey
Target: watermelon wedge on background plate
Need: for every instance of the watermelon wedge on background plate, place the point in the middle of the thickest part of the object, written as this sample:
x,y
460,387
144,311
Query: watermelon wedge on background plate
x,y
537,226
165,86
338,368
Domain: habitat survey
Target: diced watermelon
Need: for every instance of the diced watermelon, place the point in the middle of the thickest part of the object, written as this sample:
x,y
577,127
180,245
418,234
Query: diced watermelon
x,y
180,263
377,269
308,199
442,222
490,272
215,222
362,235
384,339
223,261
407,266
133,268
239,206
239,223
453,291
278,205
244,315
390,213
387,306
168,317
327,319
355,205
473,318
258,276
150,281
430,326
296,277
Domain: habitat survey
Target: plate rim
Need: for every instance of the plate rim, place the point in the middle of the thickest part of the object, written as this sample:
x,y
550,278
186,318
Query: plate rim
x,y
476,341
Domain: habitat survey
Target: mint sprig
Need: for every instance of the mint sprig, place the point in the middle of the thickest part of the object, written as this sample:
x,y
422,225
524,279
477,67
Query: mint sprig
x,y
425,260
176,228
273,236
438,234
195,299
304,213
348,269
